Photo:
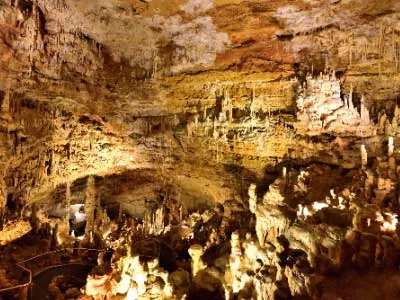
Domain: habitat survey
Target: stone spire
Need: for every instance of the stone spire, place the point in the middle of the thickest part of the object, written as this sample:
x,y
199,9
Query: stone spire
x,y
390,146
364,113
364,157
350,100
90,205
67,205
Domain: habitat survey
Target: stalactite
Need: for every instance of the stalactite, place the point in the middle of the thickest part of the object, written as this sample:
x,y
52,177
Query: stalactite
x,y
350,55
365,48
229,107
351,105
396,54
253,99
120,213
381,40
155,66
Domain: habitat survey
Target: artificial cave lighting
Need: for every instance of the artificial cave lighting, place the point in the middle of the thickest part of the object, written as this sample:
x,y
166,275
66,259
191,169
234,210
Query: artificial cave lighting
x,y
199,149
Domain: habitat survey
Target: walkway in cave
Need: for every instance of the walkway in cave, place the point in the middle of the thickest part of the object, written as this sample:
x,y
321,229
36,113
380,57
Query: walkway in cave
x,y
74,274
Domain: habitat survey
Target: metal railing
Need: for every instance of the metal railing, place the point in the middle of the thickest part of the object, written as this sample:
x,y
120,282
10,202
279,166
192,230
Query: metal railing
x,y
26,283
41,262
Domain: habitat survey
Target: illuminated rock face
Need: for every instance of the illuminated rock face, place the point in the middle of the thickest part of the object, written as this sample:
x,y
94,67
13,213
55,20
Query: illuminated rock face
x,y
244,149
14,231
322,110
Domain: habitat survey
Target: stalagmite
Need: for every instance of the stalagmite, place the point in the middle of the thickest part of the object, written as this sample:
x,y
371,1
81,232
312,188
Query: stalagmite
x,y
395,123
388,128
195,252
350,99
90,206
382,122
364,157
364,113
67,205
235,262
321,110
252,198
390,146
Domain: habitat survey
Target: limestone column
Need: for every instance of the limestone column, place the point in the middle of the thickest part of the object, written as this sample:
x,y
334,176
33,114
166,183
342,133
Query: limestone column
x,y
364,157
364,113
252,198
90,205
67,206
195,252
390,146
350,99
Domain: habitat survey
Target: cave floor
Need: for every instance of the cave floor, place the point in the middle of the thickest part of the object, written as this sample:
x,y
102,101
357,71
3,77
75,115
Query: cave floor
x,y
374,284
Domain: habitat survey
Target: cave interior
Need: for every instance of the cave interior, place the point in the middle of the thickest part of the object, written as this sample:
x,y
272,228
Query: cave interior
x,y
199,149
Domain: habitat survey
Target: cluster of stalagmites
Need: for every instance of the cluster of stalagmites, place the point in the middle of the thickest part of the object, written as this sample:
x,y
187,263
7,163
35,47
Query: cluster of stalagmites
x,y
353,225
331,116
135,279
311,222
321,109
304,228
220,123
33,162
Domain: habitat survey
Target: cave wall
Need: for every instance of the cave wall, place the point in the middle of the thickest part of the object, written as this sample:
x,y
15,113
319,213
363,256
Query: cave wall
x,y
105,87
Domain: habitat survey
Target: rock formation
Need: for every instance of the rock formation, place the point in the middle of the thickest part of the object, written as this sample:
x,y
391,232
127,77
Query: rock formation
x,y
220,149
